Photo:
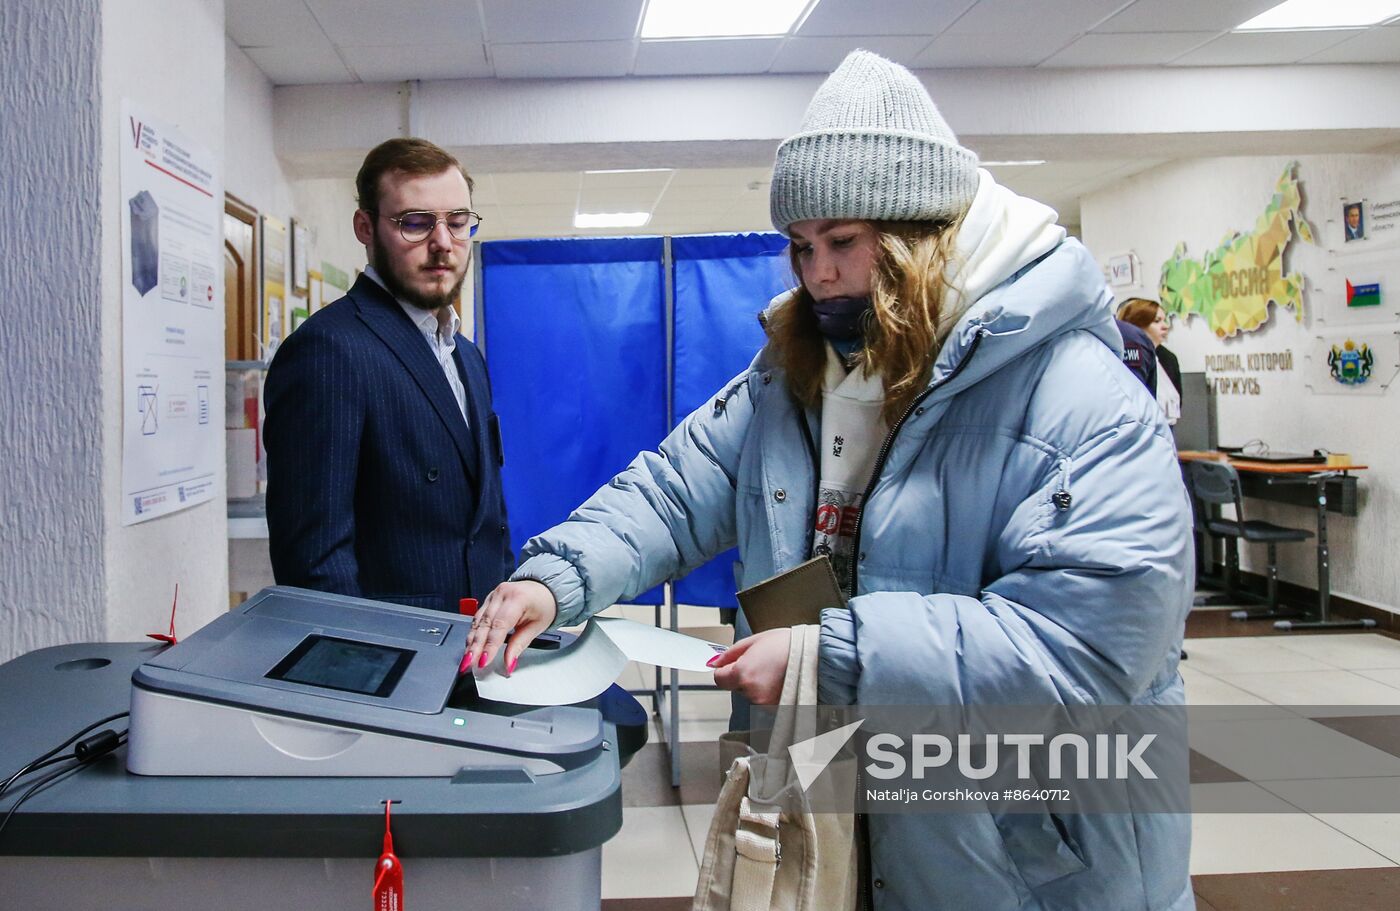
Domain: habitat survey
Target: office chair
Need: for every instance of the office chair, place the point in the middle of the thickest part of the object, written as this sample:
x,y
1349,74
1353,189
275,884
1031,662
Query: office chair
x,y
1217,483
1205,557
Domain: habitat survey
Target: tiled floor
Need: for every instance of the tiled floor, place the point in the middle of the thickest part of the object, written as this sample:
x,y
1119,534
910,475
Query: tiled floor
x,y
1281,837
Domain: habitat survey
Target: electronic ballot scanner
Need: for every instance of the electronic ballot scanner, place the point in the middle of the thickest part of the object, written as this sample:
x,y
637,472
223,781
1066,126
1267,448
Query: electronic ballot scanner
x,y
262,754
303,683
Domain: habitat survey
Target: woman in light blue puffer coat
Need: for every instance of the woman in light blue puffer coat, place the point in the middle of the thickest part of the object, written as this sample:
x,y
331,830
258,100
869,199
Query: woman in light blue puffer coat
x,y
941,408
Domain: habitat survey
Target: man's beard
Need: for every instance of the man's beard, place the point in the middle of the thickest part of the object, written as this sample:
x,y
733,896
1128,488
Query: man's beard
x,y
384,266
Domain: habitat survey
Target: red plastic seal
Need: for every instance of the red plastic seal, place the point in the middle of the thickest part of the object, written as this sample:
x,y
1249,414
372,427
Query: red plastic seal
x,y
388,873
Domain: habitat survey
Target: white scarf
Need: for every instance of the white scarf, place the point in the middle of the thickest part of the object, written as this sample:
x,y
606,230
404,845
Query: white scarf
x,y
851,433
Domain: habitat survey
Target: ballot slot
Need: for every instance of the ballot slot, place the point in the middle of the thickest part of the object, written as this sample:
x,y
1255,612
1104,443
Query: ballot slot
x,y
348,618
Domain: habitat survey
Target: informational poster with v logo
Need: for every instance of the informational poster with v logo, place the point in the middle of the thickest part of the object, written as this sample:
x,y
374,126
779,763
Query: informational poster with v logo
x,y
172,317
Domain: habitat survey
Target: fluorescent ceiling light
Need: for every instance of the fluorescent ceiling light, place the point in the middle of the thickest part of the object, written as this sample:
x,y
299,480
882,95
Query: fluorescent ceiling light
x,y
1029,162
1305,14
611,219
720,18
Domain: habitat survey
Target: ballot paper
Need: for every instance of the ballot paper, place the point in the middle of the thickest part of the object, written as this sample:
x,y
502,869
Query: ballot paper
x,y
591,664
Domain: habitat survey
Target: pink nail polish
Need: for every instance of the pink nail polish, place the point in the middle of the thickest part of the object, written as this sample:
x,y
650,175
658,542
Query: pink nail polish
x,y
712,661
510,665
466,664
482,662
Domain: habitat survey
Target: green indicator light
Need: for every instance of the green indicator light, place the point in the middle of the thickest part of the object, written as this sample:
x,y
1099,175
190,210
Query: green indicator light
x,y
459,721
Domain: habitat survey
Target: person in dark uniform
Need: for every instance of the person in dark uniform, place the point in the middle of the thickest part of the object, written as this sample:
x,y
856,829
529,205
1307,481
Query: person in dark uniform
x,y
1139,356
1151,318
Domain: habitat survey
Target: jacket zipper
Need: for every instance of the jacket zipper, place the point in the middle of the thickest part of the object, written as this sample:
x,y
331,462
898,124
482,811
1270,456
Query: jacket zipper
x,y
812,450
865,891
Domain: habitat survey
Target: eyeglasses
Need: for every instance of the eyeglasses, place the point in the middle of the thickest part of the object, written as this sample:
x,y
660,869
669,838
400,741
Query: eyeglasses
x,y
416,227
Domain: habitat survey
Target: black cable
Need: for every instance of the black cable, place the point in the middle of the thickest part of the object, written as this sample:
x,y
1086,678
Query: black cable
x,y
36,766
55,777
41,761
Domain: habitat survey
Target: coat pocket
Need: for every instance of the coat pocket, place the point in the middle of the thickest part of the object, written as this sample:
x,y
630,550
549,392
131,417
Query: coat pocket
x,y
1040,846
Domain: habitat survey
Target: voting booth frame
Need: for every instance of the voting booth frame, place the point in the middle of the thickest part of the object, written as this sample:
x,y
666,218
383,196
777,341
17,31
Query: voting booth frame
x,y
596,349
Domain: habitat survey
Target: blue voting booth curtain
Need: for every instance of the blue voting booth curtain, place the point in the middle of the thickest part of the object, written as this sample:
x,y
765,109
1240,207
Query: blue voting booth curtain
x,y
575,342
722,283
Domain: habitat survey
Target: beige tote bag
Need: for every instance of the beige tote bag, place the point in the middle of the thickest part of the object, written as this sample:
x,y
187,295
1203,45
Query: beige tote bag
x,y
765,848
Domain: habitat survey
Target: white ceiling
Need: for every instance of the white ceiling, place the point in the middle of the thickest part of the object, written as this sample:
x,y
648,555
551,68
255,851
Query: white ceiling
x,y
298,42
327,41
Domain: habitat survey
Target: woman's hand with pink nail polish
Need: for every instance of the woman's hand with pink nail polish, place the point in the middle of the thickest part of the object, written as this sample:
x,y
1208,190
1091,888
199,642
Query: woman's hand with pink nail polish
x,y
755,666
525,607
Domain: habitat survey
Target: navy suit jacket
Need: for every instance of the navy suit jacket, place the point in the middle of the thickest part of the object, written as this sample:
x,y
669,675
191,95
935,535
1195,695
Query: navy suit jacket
x,y
375,485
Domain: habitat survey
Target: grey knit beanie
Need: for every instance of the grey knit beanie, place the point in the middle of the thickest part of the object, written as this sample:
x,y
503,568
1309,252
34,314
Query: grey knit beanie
x,y
872,146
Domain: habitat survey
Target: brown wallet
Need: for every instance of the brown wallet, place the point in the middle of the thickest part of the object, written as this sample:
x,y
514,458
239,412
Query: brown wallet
x,y
793,598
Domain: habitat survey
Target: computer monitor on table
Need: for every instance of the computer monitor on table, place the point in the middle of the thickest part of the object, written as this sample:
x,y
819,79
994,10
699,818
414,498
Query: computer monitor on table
x,y
1196,430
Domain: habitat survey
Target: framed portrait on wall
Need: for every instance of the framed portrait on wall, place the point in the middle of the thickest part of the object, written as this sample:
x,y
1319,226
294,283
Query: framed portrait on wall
x,y
301,253
1353,220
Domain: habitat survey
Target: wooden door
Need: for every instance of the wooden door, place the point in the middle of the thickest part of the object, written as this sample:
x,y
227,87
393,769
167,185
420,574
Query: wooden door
x,y
240,281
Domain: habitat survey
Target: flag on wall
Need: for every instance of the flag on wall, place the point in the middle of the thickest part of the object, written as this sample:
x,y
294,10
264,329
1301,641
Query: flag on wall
x,y
1368,295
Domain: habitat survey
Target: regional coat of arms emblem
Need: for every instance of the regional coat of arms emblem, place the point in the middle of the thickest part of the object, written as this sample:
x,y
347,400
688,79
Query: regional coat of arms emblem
x,y
1351,364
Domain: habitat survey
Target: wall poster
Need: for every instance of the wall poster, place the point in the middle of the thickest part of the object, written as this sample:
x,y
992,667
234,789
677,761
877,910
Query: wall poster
x,y
172,317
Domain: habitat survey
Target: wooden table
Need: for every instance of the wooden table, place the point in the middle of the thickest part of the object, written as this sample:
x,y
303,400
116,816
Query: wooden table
x,y
1302,484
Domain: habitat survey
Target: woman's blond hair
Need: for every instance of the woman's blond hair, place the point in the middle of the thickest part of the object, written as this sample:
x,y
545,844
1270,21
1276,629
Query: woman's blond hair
x,y
904,329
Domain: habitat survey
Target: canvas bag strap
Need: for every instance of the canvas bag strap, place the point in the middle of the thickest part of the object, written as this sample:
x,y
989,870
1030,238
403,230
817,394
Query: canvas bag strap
x,y
757,854
799,688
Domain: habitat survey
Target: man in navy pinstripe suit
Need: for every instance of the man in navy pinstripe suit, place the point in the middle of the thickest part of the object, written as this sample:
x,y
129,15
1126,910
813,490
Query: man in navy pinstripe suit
x,y
383,452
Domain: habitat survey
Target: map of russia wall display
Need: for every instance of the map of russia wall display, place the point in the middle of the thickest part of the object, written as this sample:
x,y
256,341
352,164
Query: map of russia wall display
x,y
1232,286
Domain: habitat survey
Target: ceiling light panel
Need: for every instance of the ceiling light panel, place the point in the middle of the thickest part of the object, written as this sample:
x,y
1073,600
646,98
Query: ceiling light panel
x,y
611,219
1309,14
720,18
